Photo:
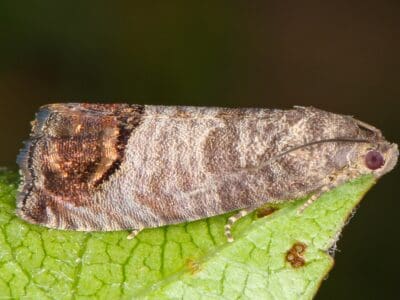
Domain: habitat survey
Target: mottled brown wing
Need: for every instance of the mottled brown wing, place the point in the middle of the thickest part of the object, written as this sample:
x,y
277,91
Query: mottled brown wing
x,y
98,167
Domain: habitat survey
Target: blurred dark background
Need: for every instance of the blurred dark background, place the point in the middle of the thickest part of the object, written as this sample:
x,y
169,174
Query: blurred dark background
x,y
339,56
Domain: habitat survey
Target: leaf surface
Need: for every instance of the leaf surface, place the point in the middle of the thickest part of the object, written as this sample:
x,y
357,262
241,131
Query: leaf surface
x,y
189,261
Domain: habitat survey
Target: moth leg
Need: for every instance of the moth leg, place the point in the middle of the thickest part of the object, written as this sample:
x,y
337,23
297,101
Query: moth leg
x,y
134,233
312,199
232,220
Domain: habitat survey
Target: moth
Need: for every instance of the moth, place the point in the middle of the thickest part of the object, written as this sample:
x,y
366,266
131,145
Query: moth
x,y
107,167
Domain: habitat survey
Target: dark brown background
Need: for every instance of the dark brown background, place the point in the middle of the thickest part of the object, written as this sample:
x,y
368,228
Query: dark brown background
x,y
342,57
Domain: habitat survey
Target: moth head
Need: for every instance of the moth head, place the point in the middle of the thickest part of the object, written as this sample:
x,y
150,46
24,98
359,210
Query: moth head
x,y
376,158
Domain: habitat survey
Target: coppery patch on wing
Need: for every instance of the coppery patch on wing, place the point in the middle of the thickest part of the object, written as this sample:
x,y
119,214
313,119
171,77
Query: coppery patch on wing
x,y
75,148
68,166
125,128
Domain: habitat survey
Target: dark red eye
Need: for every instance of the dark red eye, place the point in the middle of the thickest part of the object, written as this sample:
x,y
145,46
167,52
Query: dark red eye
x,y
374,160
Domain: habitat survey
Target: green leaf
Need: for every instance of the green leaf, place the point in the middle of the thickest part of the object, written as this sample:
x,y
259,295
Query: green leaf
x,y
190,261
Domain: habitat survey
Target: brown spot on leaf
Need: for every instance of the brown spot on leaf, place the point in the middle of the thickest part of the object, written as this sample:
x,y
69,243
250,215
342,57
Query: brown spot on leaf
x,y
265,211
300,248
193,266
295,255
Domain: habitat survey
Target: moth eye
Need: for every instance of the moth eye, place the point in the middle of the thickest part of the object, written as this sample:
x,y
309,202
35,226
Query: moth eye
x,y
374,160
